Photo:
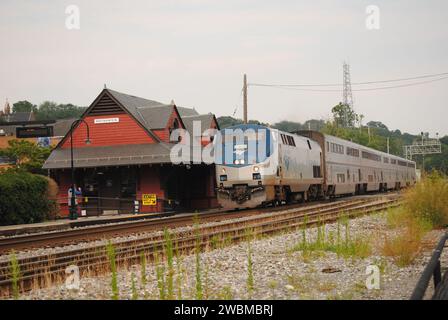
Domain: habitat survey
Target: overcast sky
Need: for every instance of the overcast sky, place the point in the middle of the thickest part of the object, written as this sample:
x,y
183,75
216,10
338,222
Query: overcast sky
x,y
196,52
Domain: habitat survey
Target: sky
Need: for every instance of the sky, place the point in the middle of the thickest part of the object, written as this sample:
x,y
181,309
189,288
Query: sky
x,y
196,52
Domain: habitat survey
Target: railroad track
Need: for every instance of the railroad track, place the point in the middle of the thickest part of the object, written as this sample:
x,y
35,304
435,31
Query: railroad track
x,y
47,269
73,236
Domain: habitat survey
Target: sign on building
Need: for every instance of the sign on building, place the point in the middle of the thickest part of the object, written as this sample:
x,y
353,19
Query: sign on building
x,y
149,199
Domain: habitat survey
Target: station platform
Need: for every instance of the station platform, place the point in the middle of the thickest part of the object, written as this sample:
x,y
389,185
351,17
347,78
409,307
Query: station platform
x,y
65,223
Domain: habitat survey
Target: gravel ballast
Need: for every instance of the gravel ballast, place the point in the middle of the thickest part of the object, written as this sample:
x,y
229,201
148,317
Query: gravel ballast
x,y
278,271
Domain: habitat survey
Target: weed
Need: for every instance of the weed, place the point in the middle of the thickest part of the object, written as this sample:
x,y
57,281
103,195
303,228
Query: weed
x,y
113,268
133,288
143,276
169,255
15,275
348,247
160,276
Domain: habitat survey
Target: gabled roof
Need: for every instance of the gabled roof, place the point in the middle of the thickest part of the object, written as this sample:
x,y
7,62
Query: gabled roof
x,y
186,112
204,119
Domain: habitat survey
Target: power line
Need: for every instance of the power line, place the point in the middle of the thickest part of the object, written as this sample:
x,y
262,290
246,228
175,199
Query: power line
x,y
286,87
353,83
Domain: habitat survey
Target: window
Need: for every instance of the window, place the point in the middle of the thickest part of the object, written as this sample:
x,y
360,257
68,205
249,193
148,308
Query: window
x,y
289,140
386,160
393,161
328,146
337,148
352,152
371,156
340,177
402,163
316,172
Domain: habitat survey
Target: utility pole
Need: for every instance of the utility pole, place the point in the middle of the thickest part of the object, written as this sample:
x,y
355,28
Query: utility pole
x,y
245,99
388,145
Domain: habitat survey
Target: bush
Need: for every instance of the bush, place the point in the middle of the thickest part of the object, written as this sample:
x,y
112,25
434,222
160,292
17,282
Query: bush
x,y
428,200
24,198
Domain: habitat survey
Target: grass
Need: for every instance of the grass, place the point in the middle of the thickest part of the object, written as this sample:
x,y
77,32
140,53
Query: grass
x,y
143,276
428,199
250,274
345,246
199,291
425,207
133,288
179,276
15,275
405,246
160,276
113,268
169,256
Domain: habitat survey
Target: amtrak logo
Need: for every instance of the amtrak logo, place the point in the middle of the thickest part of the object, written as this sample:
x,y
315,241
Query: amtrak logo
x,y
239,149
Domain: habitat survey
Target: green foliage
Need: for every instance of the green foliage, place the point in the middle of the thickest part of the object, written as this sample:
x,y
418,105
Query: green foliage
x,y
344,115
23,106
160,276
345,247
26,155
23,198
52,111
113,268
250,274
15,275
133,288
428,200
143,277
169,254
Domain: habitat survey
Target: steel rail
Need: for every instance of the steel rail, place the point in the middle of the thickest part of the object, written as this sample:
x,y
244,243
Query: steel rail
x,y
236,231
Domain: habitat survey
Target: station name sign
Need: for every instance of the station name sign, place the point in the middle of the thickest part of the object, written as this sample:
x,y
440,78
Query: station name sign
x,y
106,120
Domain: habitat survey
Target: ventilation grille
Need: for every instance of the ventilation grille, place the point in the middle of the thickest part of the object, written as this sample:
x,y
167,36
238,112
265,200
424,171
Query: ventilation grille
x,y
106,106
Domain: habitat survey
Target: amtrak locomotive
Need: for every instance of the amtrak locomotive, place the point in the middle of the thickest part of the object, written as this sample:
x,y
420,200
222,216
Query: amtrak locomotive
x,y
257,165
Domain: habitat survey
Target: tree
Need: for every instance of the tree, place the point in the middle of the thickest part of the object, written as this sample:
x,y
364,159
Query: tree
x,y
344,115
49,110
377,124
23,106
26,155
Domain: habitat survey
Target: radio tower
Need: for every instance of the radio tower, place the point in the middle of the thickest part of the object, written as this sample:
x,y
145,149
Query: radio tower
x,y
347,97
347,91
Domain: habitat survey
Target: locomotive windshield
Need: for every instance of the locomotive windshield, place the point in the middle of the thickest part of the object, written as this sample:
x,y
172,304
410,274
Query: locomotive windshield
x,y
243,145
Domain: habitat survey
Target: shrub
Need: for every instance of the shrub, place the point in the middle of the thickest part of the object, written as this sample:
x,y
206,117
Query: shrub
x,y
24,198
428,200
405,246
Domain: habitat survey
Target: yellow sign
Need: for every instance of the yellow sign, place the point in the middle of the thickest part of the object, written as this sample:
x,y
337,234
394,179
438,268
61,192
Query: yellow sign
x,y
149,199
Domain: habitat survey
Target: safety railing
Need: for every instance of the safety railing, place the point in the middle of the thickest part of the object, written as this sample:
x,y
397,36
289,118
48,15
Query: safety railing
x,y
97,205
432,270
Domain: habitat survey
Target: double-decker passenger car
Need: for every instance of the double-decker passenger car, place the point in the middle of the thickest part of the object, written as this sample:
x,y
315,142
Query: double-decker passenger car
x,y
350,168
256,165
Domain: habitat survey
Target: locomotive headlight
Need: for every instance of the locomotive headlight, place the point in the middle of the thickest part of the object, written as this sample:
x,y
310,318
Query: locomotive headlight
x,y
256,169
242,161
223,170
236,161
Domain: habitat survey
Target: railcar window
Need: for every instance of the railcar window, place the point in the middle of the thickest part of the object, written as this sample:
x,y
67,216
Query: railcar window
x,y
352,152
328,146
386,160
402,163
393,161
337,148
371,156
316,172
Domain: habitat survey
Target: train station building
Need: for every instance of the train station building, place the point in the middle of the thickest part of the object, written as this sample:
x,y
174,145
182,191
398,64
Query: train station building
x,y
127,158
